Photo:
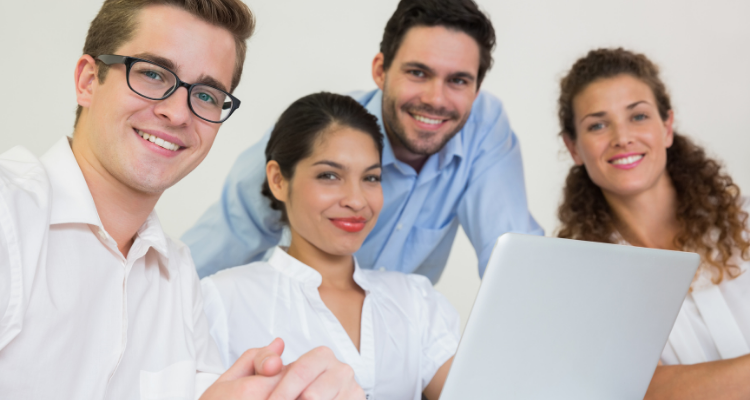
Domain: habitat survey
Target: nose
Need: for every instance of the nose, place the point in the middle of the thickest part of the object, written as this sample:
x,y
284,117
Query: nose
x,y
621,136
354,198
174,108
434,93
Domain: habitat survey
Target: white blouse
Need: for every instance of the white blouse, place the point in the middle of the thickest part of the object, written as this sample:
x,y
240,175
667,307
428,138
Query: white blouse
x,y
714,321
408,329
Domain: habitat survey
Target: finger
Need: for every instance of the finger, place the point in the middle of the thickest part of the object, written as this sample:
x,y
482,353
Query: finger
x,y
268,363
335,383
300,374
245,365
249,387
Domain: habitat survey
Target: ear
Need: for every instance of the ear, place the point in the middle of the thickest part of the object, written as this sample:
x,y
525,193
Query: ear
x,y
85,79
279,186
378,72
669,130
571,145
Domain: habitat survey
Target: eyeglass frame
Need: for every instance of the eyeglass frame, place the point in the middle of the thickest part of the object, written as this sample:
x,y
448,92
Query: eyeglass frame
x,y
110,59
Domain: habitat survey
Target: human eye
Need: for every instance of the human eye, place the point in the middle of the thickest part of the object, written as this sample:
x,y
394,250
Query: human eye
x,y
640,117
374,178
152,74
597,126
205,97
459,81
327,176
416,73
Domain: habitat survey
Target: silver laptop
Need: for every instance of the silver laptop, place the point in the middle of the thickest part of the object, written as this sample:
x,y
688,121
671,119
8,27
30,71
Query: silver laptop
x,y
567,319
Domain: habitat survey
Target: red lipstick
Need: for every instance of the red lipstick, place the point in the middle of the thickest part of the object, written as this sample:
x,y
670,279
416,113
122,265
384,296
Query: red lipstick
x,y
353,224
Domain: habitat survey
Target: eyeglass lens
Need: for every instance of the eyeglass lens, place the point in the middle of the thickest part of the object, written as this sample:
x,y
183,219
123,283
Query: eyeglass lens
x,y
150,80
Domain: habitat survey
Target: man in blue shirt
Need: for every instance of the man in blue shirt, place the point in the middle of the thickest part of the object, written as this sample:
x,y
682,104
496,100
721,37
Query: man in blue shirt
x,y
450,156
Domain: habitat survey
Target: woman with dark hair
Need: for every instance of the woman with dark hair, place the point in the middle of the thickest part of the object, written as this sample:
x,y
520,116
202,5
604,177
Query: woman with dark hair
x,y
323,174
636,181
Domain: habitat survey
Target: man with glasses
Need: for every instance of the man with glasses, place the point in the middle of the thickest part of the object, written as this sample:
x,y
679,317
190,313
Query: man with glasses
x,y
450,156
95,300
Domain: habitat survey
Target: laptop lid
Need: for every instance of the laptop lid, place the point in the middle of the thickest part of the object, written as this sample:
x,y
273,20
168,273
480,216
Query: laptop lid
x,y
567,319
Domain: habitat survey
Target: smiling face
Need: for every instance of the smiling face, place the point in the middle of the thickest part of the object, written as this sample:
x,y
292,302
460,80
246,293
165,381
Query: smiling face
x,y
334,197
621,138
149,145
429,88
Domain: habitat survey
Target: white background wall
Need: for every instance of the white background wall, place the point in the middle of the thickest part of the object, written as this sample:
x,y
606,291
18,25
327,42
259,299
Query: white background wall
x,y
302,46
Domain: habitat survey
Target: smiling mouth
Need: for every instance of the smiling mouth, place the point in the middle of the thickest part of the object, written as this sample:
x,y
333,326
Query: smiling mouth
x,y
158,141
628,160
350,225
429,121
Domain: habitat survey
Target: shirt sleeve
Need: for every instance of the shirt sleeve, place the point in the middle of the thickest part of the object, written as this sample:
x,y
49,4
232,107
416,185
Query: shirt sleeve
x,y
241,226
24,225
495,199
439,323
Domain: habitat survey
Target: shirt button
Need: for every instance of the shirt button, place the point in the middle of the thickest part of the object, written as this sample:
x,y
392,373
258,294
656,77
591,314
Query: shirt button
x,y
381,269
398,227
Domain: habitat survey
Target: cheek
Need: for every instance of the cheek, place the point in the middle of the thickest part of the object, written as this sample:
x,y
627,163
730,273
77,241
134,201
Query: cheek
x,y
375,199
310,199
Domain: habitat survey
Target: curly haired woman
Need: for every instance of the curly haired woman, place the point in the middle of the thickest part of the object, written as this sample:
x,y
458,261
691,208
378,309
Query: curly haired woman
x,y
636,181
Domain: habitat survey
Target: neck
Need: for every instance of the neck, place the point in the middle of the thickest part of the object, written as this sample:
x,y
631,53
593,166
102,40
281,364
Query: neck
x,y
122,209
337,271
647,219
403,154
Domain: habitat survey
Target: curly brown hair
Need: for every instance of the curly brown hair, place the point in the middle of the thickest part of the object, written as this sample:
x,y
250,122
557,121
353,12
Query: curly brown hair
x,y
709,212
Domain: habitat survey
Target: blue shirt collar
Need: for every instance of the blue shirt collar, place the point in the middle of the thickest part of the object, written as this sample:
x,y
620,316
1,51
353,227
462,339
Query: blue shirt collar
x,y
454,147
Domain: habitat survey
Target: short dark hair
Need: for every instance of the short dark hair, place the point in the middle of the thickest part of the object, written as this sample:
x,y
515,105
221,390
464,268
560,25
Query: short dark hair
x,y
293,137
462,15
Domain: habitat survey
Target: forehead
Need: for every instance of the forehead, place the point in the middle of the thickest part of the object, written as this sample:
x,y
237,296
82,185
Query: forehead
x,y
616,92
345,143
439,48
196,47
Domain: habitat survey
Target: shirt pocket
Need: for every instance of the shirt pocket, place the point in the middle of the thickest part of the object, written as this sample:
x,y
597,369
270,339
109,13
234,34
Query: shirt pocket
x,y
177,381
423,243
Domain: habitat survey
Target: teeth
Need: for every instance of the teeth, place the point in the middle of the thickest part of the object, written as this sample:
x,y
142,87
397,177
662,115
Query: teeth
x,y
427,120
158,141
627,160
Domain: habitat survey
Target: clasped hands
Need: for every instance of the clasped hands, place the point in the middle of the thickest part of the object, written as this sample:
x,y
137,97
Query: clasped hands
x,y
260,374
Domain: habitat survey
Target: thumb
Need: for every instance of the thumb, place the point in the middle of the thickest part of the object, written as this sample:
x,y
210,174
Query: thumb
x,y
269,363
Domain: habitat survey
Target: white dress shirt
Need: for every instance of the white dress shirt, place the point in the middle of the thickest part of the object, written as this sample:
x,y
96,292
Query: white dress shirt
x,y
408,330
77,319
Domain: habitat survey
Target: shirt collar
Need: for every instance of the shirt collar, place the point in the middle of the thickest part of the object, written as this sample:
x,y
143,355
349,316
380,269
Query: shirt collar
x,y
71,198
72,201
454,147
297,270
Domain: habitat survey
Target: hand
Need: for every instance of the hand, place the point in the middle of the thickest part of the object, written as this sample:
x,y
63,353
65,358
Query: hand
x,y
260,374
253,376
317,375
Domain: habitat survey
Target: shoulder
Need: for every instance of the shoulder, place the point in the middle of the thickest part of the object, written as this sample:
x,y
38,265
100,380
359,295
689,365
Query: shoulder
x,y
362,96
23,174
487,110
256,278
488,123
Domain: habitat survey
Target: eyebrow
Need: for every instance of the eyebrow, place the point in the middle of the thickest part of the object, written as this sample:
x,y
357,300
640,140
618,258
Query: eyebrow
x,y
339,166
168,64
632,106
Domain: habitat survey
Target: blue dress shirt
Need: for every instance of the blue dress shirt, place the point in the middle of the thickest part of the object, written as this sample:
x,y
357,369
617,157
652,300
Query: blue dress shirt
x,y
476,180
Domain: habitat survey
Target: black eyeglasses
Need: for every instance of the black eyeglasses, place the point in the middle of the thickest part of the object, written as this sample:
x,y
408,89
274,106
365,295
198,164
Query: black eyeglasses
x,y
155,82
